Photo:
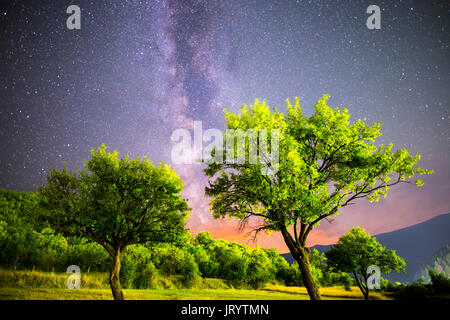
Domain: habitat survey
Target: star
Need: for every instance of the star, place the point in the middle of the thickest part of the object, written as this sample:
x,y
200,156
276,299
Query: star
x,y
138,70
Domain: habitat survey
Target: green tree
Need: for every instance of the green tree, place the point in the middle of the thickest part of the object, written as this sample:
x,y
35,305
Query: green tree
x,y
356,251
53,249
18,243
317,259
281,267
233,261
208,267
169,259
116,202
325,164
135,261
203,238
260,268
88,254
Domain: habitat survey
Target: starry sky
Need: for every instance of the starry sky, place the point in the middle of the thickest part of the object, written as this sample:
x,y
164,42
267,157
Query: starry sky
x,y
138,70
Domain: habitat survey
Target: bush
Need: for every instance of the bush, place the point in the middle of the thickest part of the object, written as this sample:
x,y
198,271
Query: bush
x,y
53,250
346,281
190,269
168,259
387,286
286,274
414,291
233,263
146,278
134,263
440,284
26,245
206,263
90,256
260,269
293,275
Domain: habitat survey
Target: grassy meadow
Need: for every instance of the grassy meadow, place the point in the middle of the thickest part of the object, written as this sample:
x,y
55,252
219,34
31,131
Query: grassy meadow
x,y
36,285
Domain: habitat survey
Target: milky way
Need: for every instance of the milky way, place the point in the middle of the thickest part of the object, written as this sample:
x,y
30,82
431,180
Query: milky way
x,y
138,70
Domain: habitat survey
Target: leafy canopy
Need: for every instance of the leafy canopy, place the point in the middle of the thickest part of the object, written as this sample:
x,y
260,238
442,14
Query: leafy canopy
x,y
116,202
357,250
325,163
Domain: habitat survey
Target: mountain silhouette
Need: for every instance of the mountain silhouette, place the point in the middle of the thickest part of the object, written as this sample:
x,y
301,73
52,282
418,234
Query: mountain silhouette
x,y
417,244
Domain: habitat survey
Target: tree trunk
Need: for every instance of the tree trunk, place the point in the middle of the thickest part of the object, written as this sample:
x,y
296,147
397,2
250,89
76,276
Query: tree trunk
x,y
301,255
114,280
364,289
366,295
307,277
366,286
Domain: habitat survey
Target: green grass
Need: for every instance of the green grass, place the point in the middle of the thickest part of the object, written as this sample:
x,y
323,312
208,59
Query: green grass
x,y
166,294
329,292
271,292
51,280
36,285
97,280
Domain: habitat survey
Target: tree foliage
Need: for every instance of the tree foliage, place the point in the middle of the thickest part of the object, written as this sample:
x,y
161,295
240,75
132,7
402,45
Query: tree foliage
x,y
325,163
356,251
17,238
116,202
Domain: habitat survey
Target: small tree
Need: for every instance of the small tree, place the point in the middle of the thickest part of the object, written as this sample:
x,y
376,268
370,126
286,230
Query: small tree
x,y
116,202
325,164
260,268
356,251
17,235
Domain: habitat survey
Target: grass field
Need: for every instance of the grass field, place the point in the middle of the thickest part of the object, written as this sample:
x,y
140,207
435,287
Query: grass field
x,y
271,292
36,285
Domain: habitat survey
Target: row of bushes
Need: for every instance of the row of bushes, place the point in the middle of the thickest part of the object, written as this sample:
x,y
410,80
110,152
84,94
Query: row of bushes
x,y
25,245
25,248
438,287
237,264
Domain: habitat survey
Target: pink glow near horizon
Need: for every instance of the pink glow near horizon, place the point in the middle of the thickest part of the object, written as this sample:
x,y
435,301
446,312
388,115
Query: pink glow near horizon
x,y
405,205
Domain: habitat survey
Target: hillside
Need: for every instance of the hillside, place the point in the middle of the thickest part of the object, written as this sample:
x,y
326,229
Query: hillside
x,y
417,244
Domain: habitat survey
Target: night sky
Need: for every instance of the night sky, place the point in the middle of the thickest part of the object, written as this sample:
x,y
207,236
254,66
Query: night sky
x,y
138,70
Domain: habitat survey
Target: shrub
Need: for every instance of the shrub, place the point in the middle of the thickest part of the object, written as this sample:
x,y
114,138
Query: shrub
x,y
440,284
168,259
233,263
135,260
207,265
414,291
386,285
260,269
146,277
90,256
189,269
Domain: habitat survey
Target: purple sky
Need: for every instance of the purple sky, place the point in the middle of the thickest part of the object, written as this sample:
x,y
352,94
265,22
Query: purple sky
x,y
138,70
